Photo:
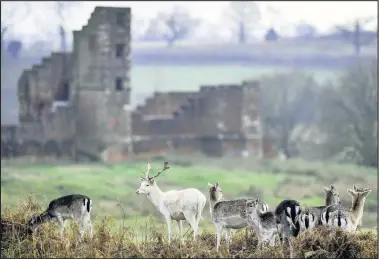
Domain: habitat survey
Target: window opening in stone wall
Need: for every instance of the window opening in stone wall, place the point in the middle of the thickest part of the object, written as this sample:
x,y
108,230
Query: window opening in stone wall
x,y
120,50
63,93
120,19
119,84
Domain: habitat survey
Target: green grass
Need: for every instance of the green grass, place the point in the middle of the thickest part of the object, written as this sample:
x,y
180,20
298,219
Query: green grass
x,y
113,186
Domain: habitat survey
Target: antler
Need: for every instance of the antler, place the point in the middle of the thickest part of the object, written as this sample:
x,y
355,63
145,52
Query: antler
x,y
148,170
165,167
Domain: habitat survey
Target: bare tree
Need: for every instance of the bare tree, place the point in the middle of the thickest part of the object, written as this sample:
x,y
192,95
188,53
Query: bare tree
x,y
288,99
356,35
244,17
348,114
11,13
62,9
171,26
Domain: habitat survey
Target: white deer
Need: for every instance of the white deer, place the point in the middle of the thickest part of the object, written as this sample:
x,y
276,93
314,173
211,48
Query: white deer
x,y
179,205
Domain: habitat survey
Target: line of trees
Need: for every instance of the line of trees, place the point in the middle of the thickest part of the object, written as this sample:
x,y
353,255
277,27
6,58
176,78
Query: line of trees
x,y
241,19
336,120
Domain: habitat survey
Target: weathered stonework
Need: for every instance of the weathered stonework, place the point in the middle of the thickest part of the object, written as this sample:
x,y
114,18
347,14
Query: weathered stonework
x,y
218,120
102,83
81,99
86,108
43,93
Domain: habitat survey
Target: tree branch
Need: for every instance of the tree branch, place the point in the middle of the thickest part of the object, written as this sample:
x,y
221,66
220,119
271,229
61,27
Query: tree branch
x,y
349,111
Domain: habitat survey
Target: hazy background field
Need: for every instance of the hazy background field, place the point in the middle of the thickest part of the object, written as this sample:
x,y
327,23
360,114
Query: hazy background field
x,y
189,77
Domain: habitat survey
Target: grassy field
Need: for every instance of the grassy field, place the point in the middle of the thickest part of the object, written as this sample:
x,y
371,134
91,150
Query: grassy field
x,y
113,186
145,79
127,225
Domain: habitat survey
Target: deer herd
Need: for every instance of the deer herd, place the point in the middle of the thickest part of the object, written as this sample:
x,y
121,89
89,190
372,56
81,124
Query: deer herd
x,y
287,221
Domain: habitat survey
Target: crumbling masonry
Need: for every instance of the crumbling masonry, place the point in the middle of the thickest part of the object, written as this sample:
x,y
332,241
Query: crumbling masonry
x,y
79,104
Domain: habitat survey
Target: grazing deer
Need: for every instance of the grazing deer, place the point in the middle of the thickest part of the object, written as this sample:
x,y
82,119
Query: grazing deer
x,y
310,217
347,219
186,204
263,223
287,214
226,215
74,206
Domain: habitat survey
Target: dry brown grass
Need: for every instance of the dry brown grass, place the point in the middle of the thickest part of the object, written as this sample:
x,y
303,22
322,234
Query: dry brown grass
x,y
111,241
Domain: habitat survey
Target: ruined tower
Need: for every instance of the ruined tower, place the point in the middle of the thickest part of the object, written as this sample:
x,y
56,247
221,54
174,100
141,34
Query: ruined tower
x,y
102,83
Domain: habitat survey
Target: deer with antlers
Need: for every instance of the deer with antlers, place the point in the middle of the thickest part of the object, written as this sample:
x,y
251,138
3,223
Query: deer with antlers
x,y
179,205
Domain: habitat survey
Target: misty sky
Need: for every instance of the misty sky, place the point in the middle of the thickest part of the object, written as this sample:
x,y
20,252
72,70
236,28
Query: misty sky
x,y
42,21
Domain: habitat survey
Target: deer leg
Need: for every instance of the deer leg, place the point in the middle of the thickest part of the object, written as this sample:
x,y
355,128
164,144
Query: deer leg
x,y
259,241
219,234
168,220
272,239
90,229
290,247
87,224
180,225
81,230
62,224
191,219
227,238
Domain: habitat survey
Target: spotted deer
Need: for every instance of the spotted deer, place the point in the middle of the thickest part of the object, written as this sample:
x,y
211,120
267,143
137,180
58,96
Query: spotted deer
x,y
74,206
226,214
178,205
346,218
264,223
310,217
357,189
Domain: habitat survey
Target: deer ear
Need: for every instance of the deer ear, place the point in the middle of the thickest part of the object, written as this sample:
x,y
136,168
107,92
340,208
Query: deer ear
x,y
142,178
326,189
351,192
210,185
257,200
217,184
366,192
355,187
332,187
151,180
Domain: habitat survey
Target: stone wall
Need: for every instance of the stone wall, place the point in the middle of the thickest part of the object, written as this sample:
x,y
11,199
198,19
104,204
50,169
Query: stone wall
x,y
218,120
101,70
164,104
96,114
251,125
42,117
